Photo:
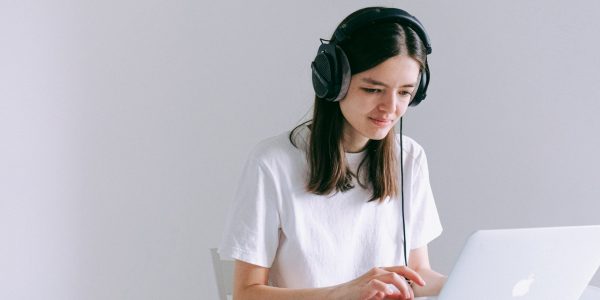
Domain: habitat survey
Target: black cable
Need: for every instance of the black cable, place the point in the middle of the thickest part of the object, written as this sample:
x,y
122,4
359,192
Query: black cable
x,y
402,195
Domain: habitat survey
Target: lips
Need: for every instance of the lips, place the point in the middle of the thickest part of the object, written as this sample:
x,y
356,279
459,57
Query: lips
x,y
380,121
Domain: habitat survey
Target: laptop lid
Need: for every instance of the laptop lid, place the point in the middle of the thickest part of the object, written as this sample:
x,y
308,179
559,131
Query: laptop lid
x,y
527,263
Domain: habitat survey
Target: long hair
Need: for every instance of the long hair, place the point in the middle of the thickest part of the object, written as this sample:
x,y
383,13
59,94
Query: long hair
x,y
328,169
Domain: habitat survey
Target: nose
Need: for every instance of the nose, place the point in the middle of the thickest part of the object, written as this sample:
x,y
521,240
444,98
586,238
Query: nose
x,y
388,102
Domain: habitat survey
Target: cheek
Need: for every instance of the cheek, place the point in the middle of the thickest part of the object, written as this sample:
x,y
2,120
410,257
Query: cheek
x,y
352,108
402,108
346,113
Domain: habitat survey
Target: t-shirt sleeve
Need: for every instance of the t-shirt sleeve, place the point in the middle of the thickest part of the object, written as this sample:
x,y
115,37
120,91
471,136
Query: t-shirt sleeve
x,y
252,231
425,223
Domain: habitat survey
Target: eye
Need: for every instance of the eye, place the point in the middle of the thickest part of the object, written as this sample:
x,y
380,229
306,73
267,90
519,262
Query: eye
x,y
405,93
371,91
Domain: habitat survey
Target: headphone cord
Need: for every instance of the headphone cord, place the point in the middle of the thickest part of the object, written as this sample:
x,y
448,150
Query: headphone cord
x,y
402,194
410,283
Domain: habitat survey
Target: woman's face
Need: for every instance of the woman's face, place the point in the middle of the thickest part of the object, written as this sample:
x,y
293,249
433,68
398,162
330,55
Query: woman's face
x,y
376,100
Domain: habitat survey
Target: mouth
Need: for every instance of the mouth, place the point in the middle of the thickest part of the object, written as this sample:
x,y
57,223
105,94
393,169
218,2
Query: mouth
x,y
381,122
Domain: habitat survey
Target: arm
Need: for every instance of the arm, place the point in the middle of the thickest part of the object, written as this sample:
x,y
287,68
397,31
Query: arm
x,y
251,282
419,261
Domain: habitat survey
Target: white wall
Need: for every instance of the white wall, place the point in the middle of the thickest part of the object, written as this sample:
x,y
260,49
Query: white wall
x,y
124,125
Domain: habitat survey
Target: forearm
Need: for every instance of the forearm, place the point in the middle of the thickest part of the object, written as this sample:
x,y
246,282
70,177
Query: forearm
x,y
264,292
435,281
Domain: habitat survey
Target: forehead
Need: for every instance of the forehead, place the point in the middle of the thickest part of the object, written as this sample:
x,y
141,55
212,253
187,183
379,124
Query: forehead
x,y
395,71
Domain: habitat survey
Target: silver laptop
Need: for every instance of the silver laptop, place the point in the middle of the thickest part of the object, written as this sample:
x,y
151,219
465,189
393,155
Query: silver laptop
x,y
529,264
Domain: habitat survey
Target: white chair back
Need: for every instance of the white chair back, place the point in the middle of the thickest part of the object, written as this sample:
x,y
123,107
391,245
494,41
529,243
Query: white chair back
x,y
223,275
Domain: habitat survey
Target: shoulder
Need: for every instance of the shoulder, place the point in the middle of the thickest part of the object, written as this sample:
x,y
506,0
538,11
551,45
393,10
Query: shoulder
x,y
274,150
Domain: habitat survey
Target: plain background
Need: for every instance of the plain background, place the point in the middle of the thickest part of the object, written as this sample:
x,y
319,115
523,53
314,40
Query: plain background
x,y
125,124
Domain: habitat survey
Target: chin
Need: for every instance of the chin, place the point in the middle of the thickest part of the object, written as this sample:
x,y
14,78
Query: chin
x,y
379,135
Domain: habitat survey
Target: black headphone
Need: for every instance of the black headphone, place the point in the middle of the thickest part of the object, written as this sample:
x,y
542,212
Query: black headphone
x,y
331,69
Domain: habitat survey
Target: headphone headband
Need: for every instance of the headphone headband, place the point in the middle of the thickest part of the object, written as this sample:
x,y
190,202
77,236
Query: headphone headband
x,y
382,15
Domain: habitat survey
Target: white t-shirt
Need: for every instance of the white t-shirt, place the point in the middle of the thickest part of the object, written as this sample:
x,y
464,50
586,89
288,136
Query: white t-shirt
x,y
311,241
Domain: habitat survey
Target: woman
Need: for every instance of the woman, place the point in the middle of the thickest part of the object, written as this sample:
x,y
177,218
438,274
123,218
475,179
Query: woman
x,y
323,211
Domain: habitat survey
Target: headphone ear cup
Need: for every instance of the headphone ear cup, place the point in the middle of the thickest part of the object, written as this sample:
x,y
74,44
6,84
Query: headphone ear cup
x,y
325,72
422,89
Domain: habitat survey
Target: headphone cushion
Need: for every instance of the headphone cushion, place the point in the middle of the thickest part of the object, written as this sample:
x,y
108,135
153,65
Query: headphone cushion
x,y
345,74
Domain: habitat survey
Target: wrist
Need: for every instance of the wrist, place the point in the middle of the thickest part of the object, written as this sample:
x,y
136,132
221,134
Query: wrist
x,y
336,292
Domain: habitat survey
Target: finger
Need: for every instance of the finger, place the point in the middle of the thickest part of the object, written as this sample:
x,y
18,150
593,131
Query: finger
x,y
370,294
393,289
396,280
408,273
376,295
380,287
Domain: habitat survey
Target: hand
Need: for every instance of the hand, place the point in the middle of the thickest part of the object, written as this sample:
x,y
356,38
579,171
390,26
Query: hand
x,y
377,284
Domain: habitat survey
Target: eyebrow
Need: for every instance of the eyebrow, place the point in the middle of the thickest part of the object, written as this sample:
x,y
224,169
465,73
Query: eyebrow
x,y
376,82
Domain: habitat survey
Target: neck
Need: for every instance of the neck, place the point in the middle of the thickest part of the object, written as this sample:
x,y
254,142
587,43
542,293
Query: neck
x,y
353,143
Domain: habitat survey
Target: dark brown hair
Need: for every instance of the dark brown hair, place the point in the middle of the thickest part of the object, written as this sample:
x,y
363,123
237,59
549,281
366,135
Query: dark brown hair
x,y
366,48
